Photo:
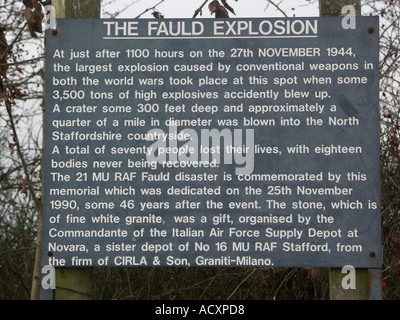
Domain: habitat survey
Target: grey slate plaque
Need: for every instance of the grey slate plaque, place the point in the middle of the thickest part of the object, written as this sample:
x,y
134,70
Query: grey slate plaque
x,y
240,142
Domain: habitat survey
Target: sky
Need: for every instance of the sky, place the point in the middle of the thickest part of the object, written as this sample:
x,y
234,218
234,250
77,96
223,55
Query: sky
x,y
243,8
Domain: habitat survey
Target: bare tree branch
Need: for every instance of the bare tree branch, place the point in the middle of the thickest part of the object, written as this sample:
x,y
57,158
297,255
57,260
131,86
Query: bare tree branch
x,y
196,13
277,7
148,9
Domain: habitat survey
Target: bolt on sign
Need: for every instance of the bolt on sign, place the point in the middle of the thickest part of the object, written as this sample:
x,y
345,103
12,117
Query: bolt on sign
x,y
240,142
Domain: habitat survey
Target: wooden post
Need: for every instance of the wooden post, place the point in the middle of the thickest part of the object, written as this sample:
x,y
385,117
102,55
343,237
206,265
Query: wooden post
x,y
77,9
75,283
368,281
332,8
336,292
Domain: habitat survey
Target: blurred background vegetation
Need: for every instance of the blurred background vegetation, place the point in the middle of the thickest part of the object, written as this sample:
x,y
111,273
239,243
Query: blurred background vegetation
x,y
20,184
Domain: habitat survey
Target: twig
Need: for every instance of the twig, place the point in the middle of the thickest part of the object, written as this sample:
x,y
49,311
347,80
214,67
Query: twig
x,y
233,292
21,62
116,14
199,9
148,9
389,68
18,35
291,272
209,284
24,165
16,250
276,6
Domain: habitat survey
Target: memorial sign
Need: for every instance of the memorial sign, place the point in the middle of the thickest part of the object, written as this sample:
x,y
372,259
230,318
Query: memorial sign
x,y
228,142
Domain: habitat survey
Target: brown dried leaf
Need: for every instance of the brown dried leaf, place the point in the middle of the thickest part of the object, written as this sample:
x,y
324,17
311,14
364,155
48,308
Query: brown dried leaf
x,y
24,183
3,50
30,19
3,40
16,92
16,65
393,139
213,6
30,3
3,67
220,11
157,15
393,237
34,19
12,145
